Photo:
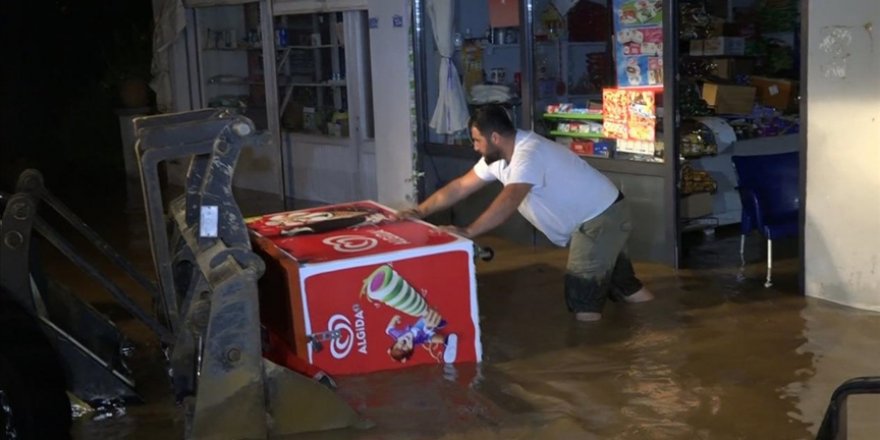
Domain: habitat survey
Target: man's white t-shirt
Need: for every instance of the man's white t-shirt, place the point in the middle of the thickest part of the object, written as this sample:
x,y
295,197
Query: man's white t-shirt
x,y
566,191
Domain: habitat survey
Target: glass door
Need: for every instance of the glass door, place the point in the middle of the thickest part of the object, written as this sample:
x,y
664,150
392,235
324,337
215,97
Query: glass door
x,y
323,74
323,91
231,60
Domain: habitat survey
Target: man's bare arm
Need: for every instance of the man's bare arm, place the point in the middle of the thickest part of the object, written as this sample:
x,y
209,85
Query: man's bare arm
x,y
449,195
500,210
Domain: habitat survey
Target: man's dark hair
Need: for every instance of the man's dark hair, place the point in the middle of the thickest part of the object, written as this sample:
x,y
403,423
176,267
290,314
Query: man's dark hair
x,y
492,118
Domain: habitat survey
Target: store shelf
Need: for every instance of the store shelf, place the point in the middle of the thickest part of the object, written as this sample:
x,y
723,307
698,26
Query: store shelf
x,y
313,85
574,116
623,166
687,55
235,83
320,46
584,95
231,49
587,43
486,45
699,224
577,135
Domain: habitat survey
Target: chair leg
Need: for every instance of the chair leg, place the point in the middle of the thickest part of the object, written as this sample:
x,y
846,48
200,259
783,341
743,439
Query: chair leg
x,y
769,282
742,249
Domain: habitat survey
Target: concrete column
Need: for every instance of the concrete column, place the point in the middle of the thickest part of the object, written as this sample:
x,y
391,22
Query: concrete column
x,y
842,227
392,102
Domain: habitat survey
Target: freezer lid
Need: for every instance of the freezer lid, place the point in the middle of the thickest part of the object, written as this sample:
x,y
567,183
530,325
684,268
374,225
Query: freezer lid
x,y
343,231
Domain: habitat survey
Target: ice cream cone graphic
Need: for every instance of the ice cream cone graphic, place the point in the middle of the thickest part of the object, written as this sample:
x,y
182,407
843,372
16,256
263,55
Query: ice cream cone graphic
x,y
388,287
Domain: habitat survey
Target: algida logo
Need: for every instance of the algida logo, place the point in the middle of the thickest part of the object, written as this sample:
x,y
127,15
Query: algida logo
x,y
349,335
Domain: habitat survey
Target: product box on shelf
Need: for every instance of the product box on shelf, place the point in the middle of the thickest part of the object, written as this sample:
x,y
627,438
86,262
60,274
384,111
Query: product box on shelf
x,y
503,13
583,147
778,93
563,107
718,46
589,147
602,149
636,147
352,288
729,98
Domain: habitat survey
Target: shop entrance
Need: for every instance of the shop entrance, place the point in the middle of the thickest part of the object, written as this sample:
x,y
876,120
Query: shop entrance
x,y
730,68
739,71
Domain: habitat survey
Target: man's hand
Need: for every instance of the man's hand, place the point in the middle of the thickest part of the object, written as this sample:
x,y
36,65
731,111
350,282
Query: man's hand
x,y
501,209
412,213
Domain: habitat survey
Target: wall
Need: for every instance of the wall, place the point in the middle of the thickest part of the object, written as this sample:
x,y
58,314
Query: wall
x,y
259,167
326,172
389,48
842,243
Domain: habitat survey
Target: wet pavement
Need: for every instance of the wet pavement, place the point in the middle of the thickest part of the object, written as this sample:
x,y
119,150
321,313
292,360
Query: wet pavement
x,y
715,356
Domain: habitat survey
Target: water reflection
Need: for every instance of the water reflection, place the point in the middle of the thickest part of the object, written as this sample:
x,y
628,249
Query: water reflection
x,y
716,356
839,351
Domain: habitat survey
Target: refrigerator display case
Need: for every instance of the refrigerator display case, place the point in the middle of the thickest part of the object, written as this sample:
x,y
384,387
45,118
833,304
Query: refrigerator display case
x,y
352,288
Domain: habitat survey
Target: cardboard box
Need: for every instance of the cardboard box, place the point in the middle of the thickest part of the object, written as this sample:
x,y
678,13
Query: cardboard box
x,y
718,46
503,13
581,147
346,285
730,68
695,205
729,99
635,147
780,94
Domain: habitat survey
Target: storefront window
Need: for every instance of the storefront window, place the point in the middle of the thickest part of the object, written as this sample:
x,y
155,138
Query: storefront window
x,y
598,75
486,54
231,60
320,59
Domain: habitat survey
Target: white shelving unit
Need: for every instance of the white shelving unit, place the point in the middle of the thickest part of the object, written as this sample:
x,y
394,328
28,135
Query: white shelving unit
x,y
230,64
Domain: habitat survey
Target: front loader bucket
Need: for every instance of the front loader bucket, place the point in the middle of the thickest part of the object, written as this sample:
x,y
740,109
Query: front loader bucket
x,y
298,404
90,346
209,297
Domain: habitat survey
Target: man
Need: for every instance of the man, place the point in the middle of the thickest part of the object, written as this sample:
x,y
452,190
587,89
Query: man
x,y
562,196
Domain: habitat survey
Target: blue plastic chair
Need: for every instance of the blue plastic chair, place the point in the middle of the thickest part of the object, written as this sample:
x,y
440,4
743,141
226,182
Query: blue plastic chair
x,y
770,195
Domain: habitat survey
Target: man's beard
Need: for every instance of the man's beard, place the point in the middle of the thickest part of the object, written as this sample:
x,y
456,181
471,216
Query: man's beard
x,y
493,153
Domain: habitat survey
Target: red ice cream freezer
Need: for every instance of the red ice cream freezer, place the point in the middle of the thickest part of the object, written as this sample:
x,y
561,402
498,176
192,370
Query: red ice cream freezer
x,y
351,288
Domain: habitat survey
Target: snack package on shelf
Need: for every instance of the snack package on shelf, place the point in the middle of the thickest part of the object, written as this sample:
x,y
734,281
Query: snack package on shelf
x,y
694,181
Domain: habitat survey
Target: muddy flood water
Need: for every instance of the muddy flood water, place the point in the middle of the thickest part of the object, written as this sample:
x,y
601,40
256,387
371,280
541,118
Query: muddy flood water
x,y
715,356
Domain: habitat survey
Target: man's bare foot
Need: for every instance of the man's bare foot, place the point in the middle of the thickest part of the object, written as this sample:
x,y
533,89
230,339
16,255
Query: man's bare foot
x,y
588,316
643,295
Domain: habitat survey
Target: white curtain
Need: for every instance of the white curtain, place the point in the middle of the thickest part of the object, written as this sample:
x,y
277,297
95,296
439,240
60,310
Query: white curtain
x,y
451,112
564,5
169,21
